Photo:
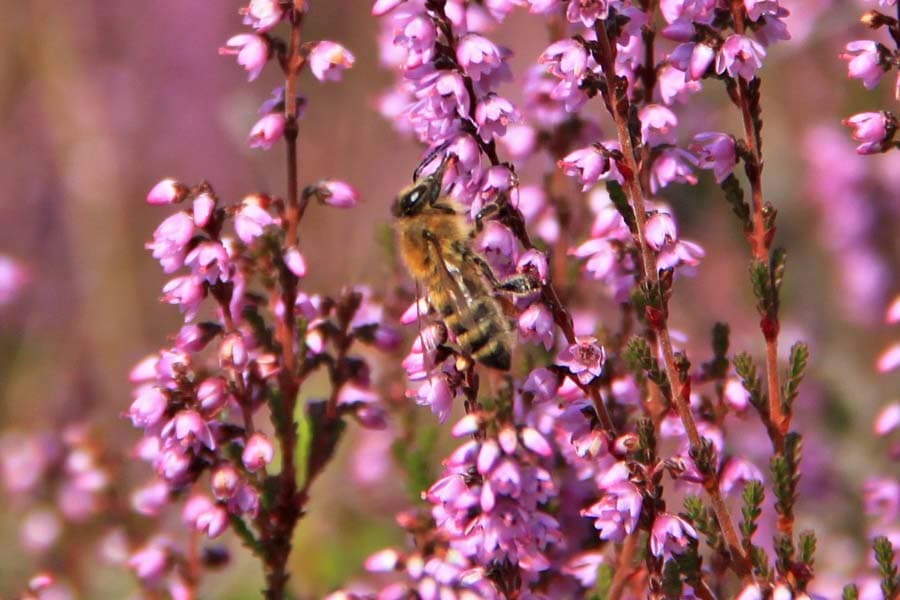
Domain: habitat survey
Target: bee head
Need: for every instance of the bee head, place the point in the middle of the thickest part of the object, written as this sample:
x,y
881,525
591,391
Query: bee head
x,y
420,195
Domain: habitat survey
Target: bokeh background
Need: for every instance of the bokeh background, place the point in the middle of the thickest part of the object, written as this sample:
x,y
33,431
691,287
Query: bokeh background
x,y
102,99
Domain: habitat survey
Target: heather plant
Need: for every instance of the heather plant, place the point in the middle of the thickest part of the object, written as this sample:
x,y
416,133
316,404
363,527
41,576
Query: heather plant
x,y
620,456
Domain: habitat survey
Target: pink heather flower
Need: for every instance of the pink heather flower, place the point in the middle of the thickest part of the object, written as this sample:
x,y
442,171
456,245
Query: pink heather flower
x,y
534,262
194,337
774,29
295,262
167,191
195,506
751,592
213,522
543,383
735,395
565,59
187,292
39,530
870,128
203,208
587,11
328,60
382,7
702,56
192,430
417,36
233,351
715,151
338,193
13,277
660,230
258,452
479,57
740,56
670,534
888,419
584,359
865,62
673,85
436,393
150,562
616,514
251,220
892,314
225,482
267,131
252,52
658,125
542,7
148,408
536,325
889,359
150,499
493,114
520,141
212,395
263,15
758,8
209,261
881,496
738,471
589,164
673,165
170,241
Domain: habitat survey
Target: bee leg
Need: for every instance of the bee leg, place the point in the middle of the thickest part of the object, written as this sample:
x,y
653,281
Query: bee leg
x,y
487,212
520,284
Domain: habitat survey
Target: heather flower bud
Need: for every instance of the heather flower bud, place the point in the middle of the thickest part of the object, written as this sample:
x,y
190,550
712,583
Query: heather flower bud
x,y
204,206
212,396
170,241
195,337
252,52
295,262
268,130
150,499
383,561
258,452
167,191
39,530
195,506
224,482
382,7
191,429
336,193
888,419
328,60
233,352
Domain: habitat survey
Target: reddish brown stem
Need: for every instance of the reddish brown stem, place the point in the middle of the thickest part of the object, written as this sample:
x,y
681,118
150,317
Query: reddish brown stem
x,y
618,103
760,242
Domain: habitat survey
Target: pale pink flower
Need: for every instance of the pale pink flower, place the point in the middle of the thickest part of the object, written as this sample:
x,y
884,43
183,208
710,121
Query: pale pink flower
x,y
167,191
740,56
328,61
252,52
267,131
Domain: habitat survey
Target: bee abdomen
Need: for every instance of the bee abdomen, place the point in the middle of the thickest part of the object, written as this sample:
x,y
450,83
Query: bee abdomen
x,y
486,339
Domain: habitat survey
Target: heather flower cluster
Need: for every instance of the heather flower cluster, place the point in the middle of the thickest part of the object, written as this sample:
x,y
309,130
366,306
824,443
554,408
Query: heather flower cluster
x,y
617,452
869,61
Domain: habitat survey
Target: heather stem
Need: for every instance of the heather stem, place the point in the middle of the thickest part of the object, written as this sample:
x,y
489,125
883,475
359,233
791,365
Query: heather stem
x,y
760,242
623,567
283,516
618,103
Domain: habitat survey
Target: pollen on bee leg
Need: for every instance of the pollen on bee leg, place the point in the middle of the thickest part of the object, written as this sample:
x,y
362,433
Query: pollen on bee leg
x,y
463,363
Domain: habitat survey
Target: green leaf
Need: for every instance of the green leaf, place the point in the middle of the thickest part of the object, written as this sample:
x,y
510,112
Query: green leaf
x,y
246,535
620,201
884,556
734,195
798,362
753,496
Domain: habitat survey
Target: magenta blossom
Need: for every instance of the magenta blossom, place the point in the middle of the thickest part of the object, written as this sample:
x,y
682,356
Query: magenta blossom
x,y
865,61
873,129
715,151
252,52
740,56
267,131
584,359
670,534
167,191
328,61
338,193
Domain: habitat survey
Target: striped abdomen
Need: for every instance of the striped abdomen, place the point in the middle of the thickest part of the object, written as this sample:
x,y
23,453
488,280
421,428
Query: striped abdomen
x,y
479,326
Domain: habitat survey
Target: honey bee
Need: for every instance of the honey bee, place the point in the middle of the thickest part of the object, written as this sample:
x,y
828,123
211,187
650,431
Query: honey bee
x,y
435,242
